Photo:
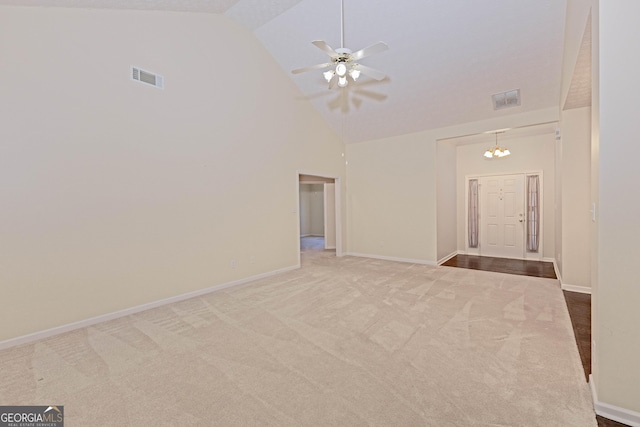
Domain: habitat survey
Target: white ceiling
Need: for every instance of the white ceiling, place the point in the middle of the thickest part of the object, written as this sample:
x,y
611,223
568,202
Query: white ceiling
x,y
445,59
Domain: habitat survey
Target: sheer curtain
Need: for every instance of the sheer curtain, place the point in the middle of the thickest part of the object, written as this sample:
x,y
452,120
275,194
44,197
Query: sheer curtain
x,y
473,213
533,213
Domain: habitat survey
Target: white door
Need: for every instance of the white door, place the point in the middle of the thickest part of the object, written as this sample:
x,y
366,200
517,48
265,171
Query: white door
x,y
502,216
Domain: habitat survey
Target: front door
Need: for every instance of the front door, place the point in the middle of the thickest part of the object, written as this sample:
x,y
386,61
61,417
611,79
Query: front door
x,y
502,220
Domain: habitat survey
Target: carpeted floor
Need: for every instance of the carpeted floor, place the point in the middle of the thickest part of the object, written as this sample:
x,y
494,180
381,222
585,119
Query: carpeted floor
x,y
341,341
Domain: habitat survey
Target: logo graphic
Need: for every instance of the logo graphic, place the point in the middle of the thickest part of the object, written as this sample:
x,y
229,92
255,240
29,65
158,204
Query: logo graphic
x,y
32,416
54,408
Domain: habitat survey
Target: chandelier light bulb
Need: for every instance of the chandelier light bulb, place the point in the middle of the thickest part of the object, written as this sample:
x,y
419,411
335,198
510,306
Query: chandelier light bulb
x,y
328,75
341,69
354,73
342,81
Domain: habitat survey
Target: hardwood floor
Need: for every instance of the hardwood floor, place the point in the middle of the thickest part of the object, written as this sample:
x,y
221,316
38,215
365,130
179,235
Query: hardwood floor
x,y
606,422
578,305
504,265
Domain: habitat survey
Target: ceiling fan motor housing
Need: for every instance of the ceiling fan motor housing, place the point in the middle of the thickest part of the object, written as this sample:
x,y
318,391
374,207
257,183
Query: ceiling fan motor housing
x,y
344,55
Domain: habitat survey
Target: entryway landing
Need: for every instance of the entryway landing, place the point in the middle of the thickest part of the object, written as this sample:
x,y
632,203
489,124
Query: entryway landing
x,y
504,265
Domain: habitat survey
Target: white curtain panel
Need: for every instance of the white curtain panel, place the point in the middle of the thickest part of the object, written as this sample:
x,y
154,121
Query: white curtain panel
x,y
533,213
473,213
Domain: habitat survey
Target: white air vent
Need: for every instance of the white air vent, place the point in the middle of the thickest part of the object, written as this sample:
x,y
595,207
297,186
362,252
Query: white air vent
x,y
506,99
143,76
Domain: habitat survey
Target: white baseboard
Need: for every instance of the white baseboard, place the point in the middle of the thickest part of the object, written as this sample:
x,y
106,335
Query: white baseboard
x,y
12,342
388,258
574,288
448,257
616,413
567,286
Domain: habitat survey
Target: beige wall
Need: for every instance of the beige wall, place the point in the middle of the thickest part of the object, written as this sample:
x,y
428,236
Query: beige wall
x,y
393,207
557,219
528,154
595,189
117,194
617,301
576,197
311,209
573,125
392,198
446,199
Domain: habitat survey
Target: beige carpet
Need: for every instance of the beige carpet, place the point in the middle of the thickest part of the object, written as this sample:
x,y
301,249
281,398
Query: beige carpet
x,y
342,341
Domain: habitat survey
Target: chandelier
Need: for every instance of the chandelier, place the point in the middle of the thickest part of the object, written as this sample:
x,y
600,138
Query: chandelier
x,y
497,151
342,71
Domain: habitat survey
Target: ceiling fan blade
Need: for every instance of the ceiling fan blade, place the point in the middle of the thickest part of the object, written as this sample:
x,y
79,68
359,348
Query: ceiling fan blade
x,y
344,102
335,103
312,96
323,46
371,72
370,94
313,67
368,51
332,82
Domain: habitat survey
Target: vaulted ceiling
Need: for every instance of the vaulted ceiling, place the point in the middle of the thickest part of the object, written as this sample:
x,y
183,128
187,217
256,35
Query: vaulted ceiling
x,y
445,58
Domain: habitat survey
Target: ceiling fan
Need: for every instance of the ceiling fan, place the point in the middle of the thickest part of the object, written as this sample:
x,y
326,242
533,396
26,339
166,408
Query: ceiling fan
x,y
344,61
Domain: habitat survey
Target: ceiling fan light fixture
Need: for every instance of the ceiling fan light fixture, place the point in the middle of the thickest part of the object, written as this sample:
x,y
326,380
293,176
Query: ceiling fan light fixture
x,y
328,75
343,60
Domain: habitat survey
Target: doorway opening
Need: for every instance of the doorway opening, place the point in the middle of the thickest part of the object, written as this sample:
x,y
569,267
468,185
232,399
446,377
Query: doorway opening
x,y
319,214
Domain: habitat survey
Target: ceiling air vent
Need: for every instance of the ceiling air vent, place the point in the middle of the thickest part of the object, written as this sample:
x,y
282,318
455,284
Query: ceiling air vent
x,y
143,76
506,99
